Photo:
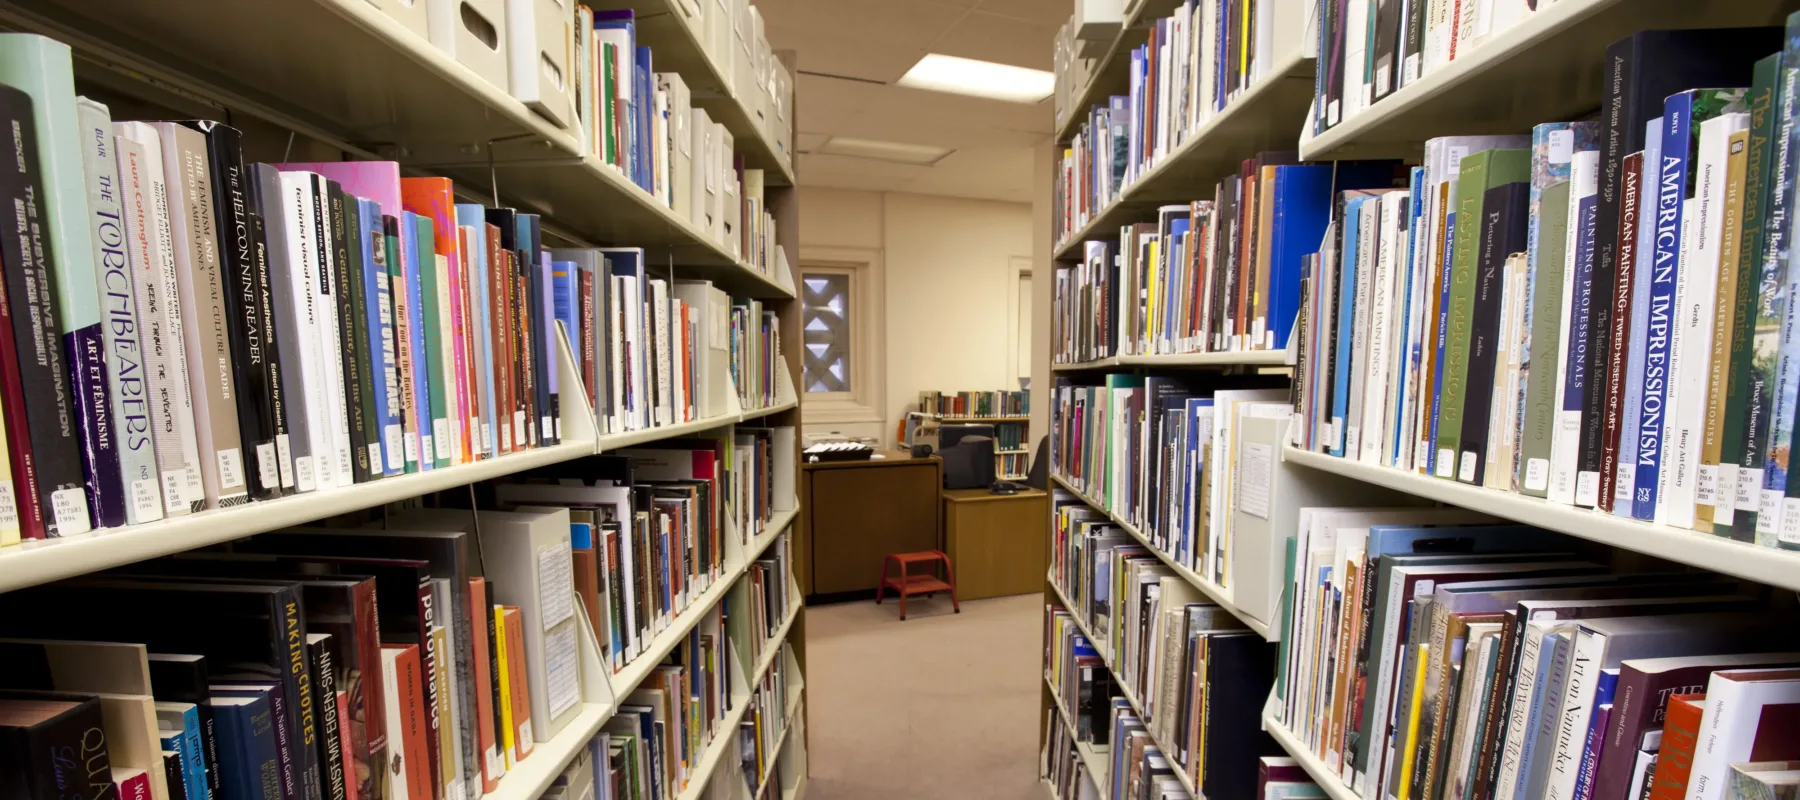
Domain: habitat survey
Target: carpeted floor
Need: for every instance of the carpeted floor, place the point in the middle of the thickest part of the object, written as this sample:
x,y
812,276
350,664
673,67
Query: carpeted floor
x,y
939,707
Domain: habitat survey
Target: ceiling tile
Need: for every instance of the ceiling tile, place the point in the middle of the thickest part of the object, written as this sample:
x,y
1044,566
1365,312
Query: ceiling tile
x,y
848,56
1045,12
1005,40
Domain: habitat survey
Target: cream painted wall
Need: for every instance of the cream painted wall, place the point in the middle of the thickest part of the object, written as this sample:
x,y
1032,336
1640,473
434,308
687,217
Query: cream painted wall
x,y
950,286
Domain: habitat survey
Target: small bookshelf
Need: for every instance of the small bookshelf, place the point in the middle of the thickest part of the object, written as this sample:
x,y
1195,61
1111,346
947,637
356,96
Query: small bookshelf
x,y
1009,413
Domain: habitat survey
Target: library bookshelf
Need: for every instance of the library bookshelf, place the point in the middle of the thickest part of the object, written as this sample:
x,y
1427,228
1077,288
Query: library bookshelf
x,y
333,80
1545,67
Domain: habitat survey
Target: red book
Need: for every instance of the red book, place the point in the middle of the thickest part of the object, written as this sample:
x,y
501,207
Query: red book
x,y
492,766
131,784
1681,731
349,756
1621,331
406,711
521,697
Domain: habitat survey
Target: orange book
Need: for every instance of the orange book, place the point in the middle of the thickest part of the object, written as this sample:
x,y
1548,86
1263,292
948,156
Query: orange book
x,y
521,697
468,423
1681,731
409,762
492,765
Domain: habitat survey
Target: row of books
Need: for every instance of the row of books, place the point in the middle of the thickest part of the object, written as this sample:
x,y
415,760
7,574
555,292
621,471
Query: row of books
x,y
650,748
189,331
770,595
975,404
1213,275
1186,664
1163,453
328,662
1196,62
1369,49
654,527
1611,332
1062,766
1507,665
644,124
764,728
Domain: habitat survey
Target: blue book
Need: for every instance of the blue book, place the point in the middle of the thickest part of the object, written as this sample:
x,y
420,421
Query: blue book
x,y
563,287
1443,337
179,724
1302,212
472,214
1412,539
286,752
378,310
1410,349
249,764
1118,120
1340,394
420,441
1664,273
643,162
1624,488
1553,661
1604,689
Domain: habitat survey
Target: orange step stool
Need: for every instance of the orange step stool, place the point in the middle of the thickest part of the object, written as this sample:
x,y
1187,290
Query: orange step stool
x,y
908,585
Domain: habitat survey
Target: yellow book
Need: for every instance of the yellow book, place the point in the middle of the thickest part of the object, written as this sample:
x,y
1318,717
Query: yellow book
x,y
1718,374
449,748
505,683
1412,723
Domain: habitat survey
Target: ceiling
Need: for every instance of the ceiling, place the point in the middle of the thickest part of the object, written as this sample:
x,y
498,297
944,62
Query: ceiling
x,y
850,53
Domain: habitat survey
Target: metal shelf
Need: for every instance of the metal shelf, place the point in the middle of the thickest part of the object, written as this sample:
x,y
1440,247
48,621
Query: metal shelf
x,y
1725,556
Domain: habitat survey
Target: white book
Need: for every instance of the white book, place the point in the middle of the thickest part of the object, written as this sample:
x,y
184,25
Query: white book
x,y
1362,328
394,711
330,334
665,352
1356,50
129,392
1735,705
159,301
1565,438
1696,304
1381,322
1519,724
1501,434
1415,351
1208,91
292,224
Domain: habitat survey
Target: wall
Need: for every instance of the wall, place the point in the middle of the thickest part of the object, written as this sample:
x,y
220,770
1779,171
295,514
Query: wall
x,y
949,288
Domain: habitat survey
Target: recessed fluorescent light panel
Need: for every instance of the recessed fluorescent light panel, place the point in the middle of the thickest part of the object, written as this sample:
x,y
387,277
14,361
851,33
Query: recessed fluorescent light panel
x,y
941,73
900,152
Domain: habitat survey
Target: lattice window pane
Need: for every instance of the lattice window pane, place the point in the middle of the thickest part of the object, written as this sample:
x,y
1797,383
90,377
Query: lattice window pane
x,y
825,323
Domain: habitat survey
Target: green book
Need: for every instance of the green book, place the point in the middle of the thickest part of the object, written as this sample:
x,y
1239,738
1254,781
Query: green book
x,y
1546,341
1480,172
1761,158
609,107
433,268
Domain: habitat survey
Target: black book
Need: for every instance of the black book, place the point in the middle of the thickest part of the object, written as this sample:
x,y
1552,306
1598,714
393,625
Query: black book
x,y
1504,214
46,454
322,659
1332,61
242,629
1385,50
1233,731
346,286
1412,44
493,650
53,747
246,304
542,358
183,678
353,317
1640,71
175,773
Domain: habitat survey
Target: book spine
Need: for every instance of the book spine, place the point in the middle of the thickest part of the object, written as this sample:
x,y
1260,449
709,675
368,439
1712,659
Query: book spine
x,y
329,751
1658,364
1710,486
362,381
376,338
288,252
277,377
165,361
430,267
1741,404
404,282
125,376
323,216
420,260
1621,430
1577,302
467,431
1625,493
1462,299
1746,523
244,304
1503,218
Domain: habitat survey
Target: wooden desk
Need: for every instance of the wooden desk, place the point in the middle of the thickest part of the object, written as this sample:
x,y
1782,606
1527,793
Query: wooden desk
x,y
856,512
996,542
